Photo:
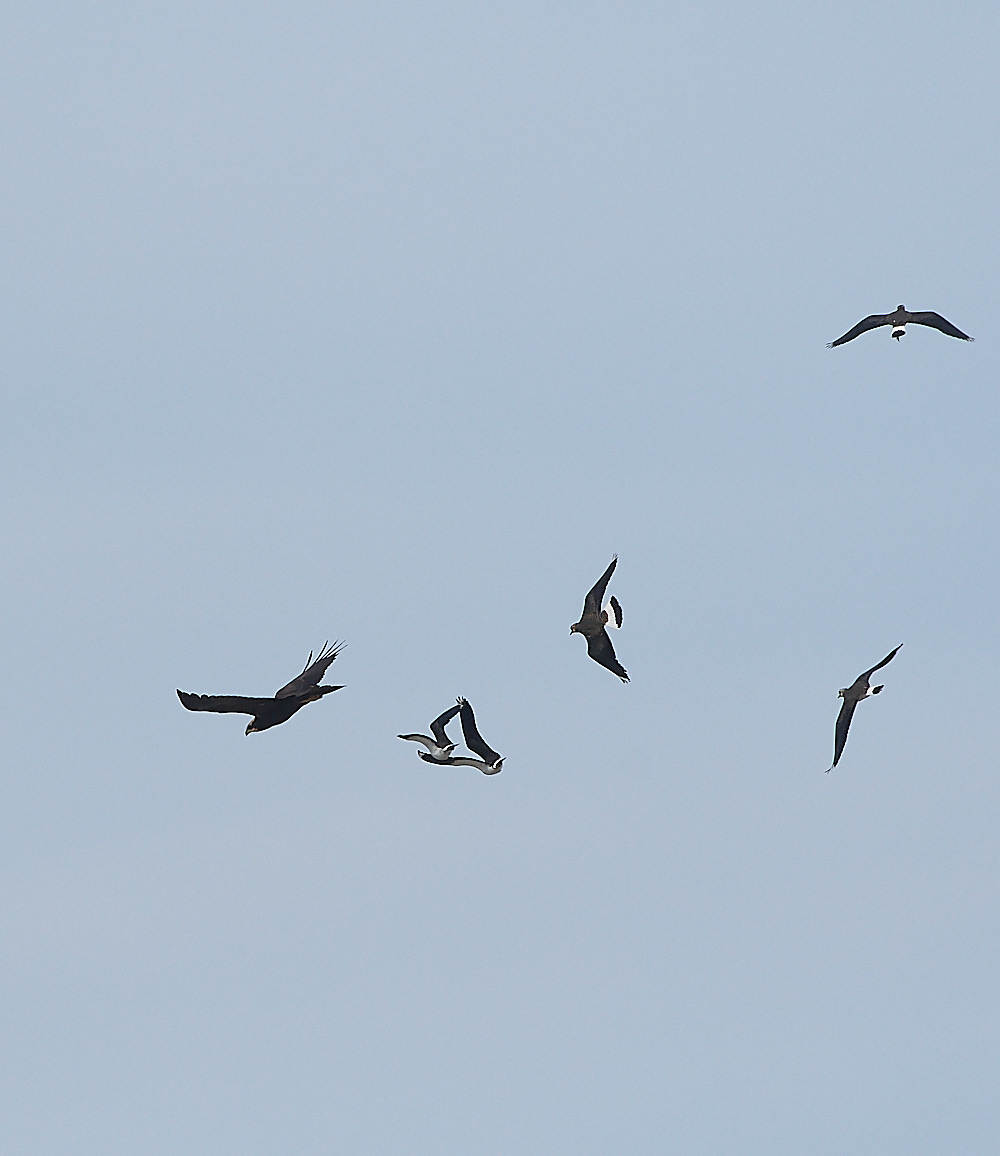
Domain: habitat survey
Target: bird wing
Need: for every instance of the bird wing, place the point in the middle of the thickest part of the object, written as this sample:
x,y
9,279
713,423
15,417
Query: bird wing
x,y
473,739
592,603
872,322
223,703
843,725
486,768
600,650
417,739
936,321
312,672
438,725
614,609
878,665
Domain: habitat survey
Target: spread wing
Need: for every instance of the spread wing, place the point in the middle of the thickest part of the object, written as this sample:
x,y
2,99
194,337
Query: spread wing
x,y
313,671
936,321
223,703
878,665
592,603
872,322
438,725
473,739
843,725
486,768
600,650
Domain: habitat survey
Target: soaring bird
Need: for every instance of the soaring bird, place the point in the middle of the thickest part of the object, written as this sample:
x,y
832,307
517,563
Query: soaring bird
x,y
440,746
899,320
475,742
268,712
594,620
852,695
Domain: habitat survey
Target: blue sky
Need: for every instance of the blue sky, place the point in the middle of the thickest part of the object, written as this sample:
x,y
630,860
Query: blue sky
x,y
392,324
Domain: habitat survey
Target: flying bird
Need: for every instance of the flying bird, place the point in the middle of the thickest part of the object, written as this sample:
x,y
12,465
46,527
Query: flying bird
x,y
852,695
594,620
899,320
440,746
461,761
476,743
268,712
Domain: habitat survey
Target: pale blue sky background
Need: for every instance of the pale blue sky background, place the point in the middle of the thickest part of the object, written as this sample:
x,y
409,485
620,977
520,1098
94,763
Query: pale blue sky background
x,y
391,323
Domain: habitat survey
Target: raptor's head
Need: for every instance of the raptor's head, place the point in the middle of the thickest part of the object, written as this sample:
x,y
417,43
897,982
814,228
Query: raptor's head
x,y
251,726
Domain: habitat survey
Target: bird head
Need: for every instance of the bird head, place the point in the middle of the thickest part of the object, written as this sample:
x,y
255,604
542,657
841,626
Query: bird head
x,y
842,692
902,308
251,726
575,628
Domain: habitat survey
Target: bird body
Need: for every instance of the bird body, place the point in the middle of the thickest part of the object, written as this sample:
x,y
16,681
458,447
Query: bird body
x,y
852,695
270,712
899,319
594,621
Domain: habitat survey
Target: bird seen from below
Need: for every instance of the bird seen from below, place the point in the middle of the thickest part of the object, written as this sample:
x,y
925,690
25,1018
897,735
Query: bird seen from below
x,y
594,621
440,746
269,712
852,695
899,320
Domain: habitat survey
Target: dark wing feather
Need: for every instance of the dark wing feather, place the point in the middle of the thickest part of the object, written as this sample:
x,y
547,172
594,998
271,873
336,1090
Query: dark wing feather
x,y
438,725
936,321
843,725
223,703
313,671
616,608
473,739
592,603
872,322
600,650
878,665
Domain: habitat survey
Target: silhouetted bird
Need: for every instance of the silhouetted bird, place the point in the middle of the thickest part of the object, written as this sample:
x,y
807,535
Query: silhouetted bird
x,y
852,695
268,712
594,620
440,746
899,320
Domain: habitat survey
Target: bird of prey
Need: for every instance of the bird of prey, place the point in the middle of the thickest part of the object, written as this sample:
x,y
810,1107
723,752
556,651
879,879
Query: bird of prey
x,y
476,743
440,746
852,695
594,620
899,320
268,712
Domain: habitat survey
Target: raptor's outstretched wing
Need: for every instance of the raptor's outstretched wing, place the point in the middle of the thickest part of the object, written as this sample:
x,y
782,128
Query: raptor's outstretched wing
x,y
872,322
313,671
223,703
